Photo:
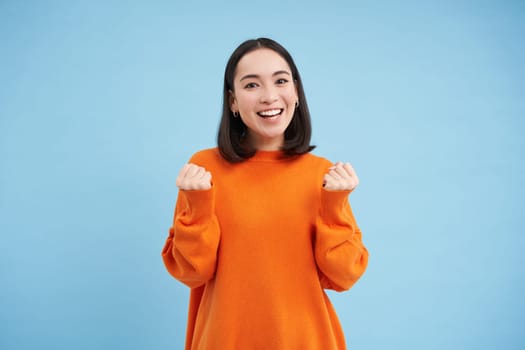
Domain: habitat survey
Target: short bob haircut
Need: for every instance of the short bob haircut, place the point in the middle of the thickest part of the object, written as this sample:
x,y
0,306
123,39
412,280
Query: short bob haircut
x,y
232,131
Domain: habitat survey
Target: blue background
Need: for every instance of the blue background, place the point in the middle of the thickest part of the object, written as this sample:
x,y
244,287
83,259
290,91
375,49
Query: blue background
x,y
102,103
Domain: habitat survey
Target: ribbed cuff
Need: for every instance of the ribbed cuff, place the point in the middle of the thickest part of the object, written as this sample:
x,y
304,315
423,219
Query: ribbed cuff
x,y
332,205
201,203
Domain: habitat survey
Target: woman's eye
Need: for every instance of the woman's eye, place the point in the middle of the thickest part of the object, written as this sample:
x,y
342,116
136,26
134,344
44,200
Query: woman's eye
x,y
281,81
250,86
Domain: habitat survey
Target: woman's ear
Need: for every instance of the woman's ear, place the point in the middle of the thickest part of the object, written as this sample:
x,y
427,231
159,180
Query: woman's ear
x,y
233,101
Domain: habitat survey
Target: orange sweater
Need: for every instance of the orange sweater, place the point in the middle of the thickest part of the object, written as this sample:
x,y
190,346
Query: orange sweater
x,y
259,248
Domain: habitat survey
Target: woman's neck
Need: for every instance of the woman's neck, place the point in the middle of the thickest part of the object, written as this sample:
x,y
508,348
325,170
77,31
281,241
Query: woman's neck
x,y
266,144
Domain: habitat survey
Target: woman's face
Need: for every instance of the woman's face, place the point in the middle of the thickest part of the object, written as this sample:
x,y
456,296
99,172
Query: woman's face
x,y
265,96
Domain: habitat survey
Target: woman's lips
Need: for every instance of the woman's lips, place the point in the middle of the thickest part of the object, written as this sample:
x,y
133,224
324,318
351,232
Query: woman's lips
x,y
269,113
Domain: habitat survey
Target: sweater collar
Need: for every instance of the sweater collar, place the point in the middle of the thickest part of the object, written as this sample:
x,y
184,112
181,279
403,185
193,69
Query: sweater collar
x,y
269,156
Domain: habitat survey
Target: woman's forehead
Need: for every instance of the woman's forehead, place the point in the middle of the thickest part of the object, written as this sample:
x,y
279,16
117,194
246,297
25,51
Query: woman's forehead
x,y
261,62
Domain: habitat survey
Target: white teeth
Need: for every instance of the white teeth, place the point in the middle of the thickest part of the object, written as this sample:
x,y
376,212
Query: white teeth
x,y
270,113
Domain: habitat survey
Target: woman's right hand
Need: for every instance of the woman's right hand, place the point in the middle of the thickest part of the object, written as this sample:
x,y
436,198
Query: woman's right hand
x,y
194,177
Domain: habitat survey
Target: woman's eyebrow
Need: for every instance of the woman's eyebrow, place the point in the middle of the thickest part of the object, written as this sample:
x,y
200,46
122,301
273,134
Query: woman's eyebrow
x,y
255,76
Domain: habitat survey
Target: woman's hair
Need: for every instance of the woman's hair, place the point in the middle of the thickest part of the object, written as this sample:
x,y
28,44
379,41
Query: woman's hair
x,y
231,138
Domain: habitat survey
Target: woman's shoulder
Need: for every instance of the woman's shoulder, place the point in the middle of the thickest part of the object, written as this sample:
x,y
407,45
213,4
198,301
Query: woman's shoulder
x,y
316,159
207,157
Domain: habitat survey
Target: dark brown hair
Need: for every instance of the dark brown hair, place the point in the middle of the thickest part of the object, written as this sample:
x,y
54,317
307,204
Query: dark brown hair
x,y
232,131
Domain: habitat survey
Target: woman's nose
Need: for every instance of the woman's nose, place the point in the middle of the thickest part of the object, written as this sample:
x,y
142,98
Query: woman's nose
x,y
269,96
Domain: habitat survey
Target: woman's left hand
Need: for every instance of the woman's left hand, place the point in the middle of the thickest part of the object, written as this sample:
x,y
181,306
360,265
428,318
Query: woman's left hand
x,y
340,177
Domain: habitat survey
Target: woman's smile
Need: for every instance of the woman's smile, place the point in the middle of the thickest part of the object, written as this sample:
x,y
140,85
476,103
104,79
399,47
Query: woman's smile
x,y
270,113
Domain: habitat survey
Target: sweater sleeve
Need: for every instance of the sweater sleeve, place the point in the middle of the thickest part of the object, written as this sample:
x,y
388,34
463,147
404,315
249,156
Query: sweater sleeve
x,y
339,252
190,252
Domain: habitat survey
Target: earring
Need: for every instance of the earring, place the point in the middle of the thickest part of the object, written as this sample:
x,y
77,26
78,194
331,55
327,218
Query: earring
x,y
296,103
236,114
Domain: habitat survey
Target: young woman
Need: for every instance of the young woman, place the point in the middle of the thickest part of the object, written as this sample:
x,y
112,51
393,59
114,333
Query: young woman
x,y
261,225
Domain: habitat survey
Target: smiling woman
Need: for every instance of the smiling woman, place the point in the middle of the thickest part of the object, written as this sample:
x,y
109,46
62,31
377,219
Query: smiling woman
x,y
262,226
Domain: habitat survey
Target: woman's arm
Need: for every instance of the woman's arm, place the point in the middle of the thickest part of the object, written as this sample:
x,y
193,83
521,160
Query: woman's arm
x,y
190,252
340,254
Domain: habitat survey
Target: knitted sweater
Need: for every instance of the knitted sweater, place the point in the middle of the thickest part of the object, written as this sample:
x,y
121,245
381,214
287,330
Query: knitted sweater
x,y
259,248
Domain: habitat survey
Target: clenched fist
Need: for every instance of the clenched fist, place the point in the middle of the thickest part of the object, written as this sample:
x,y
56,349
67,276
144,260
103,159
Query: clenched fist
x,y
194,177
340,177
